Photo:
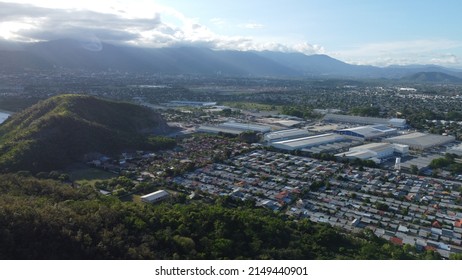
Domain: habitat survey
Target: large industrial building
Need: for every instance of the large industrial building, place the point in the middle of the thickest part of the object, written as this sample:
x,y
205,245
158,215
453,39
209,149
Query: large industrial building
x,y
368,132
307,142
456,150
155,196
286,134
234,128
247,127
191,103
218,129
375,151
421,141
394,122
281,122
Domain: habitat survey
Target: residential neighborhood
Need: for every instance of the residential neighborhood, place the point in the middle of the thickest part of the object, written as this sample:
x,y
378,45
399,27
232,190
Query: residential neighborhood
x,y
402,208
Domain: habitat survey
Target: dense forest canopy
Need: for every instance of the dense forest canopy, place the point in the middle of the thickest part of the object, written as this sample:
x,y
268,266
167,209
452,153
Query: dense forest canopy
x,y
46,219
62,129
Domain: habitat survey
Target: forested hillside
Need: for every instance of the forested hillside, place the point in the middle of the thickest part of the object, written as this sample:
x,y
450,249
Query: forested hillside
x,y
61,130
45,219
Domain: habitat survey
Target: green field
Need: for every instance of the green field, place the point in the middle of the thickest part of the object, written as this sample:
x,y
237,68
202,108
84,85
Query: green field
x,y
89,175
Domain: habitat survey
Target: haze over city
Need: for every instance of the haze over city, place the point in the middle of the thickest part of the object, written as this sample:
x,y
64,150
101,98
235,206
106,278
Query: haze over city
x,y
358,32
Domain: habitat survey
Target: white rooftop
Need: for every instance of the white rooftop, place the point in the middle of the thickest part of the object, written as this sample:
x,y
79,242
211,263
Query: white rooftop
x,y
246,126
309,141
155,195
420,139
376,147
286,134
370,131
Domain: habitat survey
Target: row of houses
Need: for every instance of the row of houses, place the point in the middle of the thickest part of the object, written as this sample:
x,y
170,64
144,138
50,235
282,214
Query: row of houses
x,y
402,208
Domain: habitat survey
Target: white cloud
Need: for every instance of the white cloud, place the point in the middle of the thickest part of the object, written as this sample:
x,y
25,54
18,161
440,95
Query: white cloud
x,y
402,53
148,25
308,48
446,59
252,26
218,21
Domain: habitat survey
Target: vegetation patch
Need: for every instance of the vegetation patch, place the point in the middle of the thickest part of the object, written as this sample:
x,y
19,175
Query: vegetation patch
x,y
61,130
89,175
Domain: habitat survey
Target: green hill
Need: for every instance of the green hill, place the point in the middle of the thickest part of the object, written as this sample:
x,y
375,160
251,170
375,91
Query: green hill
x,y
432,77
62,129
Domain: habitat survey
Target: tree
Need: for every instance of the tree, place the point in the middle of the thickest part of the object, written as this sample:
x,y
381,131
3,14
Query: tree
x,y
381,206
414,169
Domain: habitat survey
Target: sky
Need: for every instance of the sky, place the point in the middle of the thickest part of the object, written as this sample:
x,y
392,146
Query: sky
x,y
369,32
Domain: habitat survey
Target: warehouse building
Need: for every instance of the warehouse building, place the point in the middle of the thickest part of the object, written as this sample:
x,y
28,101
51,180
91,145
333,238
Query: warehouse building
x,y
395,122
400,123
368,132
247,127
234,128
286,134
421,141
375,151
181,103
155,196
456,150
217,130
308,142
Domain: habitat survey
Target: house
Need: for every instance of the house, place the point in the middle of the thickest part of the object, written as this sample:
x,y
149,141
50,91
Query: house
x,y
437,231
458,223
436,224
155,196
396,241
402,228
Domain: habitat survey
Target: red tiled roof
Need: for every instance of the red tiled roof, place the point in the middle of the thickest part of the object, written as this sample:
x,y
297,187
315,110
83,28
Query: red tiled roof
x,y
430,248
458,223
436,224
396,241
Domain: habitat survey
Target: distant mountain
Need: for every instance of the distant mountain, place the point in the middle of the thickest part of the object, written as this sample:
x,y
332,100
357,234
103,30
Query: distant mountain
x,y
62,129
72,54
180,60
320,65
432,77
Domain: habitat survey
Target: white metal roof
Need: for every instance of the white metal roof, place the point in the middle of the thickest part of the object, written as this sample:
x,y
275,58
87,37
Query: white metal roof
x,y
286,133
309,141
420,139
155,195
371,131
246,126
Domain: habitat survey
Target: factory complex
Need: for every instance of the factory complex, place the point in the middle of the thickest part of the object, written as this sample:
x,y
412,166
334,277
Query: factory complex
x,y
368,132
375,151
234,128
308,142
346,137
421,141
393,122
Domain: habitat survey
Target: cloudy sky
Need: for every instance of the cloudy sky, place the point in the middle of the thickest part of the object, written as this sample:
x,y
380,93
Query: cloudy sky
x,y
356,31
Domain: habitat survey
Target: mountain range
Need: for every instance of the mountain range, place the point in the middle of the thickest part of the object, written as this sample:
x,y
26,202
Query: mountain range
x,y
72,54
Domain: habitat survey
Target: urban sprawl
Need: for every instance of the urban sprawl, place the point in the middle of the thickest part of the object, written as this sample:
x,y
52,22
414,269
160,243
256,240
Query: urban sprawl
x,y
281,173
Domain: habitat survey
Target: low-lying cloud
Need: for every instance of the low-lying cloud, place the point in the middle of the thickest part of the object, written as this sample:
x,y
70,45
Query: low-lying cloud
x,y
403,53
29,23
